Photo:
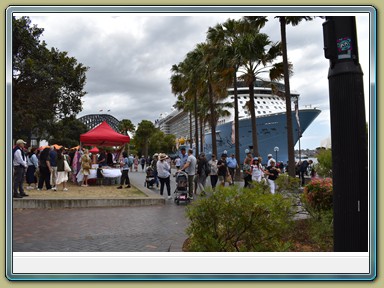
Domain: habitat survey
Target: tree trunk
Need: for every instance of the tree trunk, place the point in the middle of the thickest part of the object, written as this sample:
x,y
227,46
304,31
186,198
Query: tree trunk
x,y
201,133
291,151
190,130
236,119
213,121
196,129
253,118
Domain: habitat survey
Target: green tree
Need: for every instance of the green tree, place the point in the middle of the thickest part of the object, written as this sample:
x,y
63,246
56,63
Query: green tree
x,y
185,96
47,85
284,21
161,143
143,134
126,126
258,56
225,36
67,131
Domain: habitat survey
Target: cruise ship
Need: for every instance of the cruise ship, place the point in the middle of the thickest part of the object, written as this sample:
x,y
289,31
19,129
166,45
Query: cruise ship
x,y
270,120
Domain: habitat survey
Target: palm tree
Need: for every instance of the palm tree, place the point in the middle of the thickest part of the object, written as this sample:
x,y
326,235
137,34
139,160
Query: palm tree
x,y
186,81
227,36
186,106
258,55
224,36
284,20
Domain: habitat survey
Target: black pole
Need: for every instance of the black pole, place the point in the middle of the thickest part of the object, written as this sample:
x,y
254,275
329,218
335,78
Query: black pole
x,y
349,135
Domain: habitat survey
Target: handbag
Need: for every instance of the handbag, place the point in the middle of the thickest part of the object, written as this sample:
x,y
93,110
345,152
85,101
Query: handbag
x,y
86,165
66,166
37,172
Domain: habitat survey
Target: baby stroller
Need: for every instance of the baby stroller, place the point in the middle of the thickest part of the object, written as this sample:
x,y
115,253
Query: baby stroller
x,y
181,191
149,178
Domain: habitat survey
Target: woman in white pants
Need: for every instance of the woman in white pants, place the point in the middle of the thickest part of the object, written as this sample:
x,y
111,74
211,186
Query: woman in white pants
x,y
272,173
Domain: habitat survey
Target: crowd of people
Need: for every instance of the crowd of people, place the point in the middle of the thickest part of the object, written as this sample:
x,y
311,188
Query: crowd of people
x,y
220,171
51,167
48,168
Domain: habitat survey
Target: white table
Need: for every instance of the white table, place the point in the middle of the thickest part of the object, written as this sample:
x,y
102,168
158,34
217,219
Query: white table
x,y
108,173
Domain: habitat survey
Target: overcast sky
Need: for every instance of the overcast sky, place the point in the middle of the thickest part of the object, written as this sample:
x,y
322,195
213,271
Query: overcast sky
x,y
130,56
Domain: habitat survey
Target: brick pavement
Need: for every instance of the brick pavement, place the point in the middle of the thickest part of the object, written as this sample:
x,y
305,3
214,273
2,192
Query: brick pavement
x,y
156,228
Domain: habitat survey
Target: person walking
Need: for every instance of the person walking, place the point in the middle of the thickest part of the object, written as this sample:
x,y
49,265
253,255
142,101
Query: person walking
x,y
154,167
124,164
33,164
136,163
53,160
257,170
45,169
86,165
223,170
232,166
142,163
19,167
247,172
270,158
272,173
183,157
303,171
202,173
164,173
62,175
178,163
213,171
190,168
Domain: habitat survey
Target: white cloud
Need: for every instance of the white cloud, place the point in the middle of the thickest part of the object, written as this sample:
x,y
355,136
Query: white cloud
x,y
130,57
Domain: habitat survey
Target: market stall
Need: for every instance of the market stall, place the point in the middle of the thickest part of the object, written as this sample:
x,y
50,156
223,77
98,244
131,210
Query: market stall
x,y
102,135
111,174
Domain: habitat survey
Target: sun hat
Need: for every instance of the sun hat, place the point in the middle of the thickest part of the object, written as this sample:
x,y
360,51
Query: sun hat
x,y
21,141
162,156
269,155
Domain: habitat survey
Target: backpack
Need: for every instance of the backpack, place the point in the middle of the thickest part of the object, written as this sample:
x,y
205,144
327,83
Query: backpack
x,y
206,169
130,162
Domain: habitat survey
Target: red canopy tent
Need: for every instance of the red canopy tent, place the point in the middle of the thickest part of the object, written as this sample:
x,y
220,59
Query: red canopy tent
x,y
94,150
103,135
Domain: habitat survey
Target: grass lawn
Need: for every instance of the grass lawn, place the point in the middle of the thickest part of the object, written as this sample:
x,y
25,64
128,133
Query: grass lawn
x,y
90,192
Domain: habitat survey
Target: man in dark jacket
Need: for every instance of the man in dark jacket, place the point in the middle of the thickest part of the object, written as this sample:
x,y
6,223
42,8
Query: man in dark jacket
x,y
303,171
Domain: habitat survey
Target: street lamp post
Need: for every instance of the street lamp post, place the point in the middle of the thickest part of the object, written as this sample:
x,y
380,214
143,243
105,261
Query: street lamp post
x,y
276,149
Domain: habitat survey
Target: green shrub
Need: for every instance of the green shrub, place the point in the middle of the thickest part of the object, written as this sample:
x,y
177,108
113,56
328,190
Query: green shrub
x,y
321,230
234,219
287,184
317,200
318,195
324,166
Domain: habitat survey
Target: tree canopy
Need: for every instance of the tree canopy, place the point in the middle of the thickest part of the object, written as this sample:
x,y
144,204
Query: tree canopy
x,y
47,84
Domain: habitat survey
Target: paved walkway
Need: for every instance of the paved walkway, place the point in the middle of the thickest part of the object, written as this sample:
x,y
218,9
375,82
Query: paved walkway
x,y
117,229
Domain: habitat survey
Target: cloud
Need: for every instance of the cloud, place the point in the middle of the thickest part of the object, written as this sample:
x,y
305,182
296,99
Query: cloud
x,y
130,56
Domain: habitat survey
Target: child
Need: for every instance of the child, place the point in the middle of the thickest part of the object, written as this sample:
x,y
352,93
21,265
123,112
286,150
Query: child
x,y
99,175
